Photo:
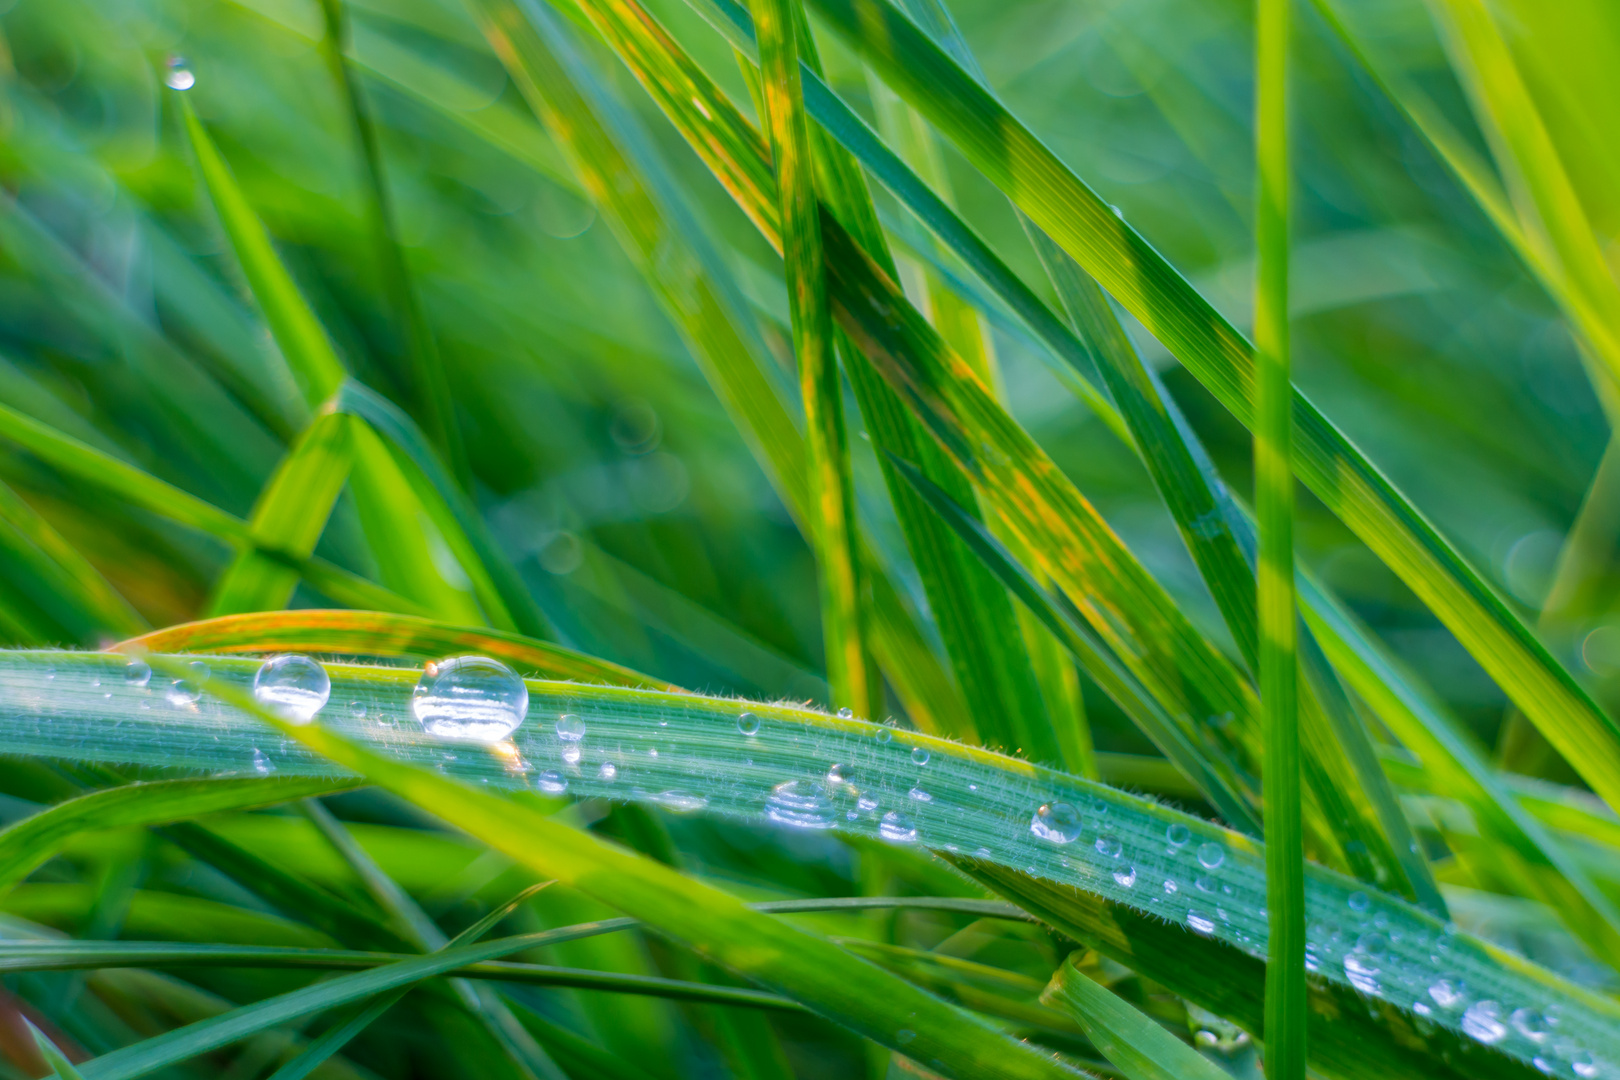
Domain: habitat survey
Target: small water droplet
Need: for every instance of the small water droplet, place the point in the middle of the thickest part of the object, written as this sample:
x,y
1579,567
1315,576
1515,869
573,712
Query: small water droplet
x,y
1200,923
292,687
1362,972
186,691
570,728
1447,994
262,764
1358,901
470,697
1211,855
357,709
920,795
50,672
866,804
551,781
137,673
1108,846
1125,876
1058,822
1530,1023
1204,883
919,755
1584,1064
681,802
840,774
1170,886
882,734
571,753
608,772
1483,1021
897,828
904,1036
1178,835
846,713
802,804
748,724
177,74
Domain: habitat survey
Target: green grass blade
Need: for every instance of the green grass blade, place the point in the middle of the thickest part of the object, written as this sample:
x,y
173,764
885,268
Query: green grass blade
x,y
58,1061
88,603
289,517
821,392
377,633
335,1038
31,841
1139,278
1140,1048
1285,1008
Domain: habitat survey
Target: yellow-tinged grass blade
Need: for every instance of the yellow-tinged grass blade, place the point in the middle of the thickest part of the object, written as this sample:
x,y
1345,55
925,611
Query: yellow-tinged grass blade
x,y
90,603
378,633
821,392
289,517
1135,1043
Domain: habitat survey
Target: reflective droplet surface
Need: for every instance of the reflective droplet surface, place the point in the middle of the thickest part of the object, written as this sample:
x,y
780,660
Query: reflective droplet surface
x,y
177,74
1108,846
137,673
609,772
1178,835
920,755
919,794
1358,901
897,828
1531,1024
681,802
1362,971
470,697
840,774
1058,822
847,713
292,687
1170,886
803,804
186,691
1447,994
570,728
357,709
1125,876
748,724
1483,1021
551,781
1211,855
1200,923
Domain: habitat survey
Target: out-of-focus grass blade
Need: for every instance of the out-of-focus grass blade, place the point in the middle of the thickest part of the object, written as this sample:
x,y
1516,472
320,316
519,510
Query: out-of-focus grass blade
x,y
1123,263
289,517
821,392
58,1061
830,981
656,231
378,633
31,841
1058,615
433,399
84,601
164,499
1135,1043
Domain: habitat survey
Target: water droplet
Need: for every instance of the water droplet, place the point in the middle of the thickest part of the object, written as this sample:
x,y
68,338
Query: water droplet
x,y
470,697
1178,834
1204,883
571,754
1483,1021
1211,855
866,804
187,690
1584,1064
177,74
1199,923
802,804
1108,846
897,828
883,734
1448,994
1058,822
1362,972
919,754
551,781
137,673
920,795
904,1036
570,728
50,672
292,687
681,802
840,774
748,724
1125,876
846,713
1530,1023
1358,901
262,764
357,709
608,772
1170,886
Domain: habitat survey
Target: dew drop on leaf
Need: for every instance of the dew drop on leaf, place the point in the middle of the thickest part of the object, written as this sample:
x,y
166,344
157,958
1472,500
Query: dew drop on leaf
x,y
897,828
177,74
919,754
292,687
1178,834
187,690
1125,876
570,728
137,673
847,713
1483,1021
470,697
551,782
803,804
1211,855
1358,901
748,724
1058,822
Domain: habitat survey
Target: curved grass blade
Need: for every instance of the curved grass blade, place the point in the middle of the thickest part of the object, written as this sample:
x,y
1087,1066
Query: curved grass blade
x,y
378,633
288,517
1137,1045
950,798
58,1061
31,841
821,391
1136,275
83,600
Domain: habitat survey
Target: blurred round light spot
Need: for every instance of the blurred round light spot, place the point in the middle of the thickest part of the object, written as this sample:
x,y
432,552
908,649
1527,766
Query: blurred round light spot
x,y
1528,569
561,553
1601,650
635,427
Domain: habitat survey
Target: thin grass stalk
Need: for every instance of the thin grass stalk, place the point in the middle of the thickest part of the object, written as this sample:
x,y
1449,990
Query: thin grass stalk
x,y
832,494
1274,482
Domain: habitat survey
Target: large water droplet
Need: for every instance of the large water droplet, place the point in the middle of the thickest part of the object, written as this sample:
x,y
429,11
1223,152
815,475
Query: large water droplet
x,y
177,74
1483,1021
897,828
1448,994
1200,923
840,774
1178,834
292,687
803,804
920,755
1211,855
470,697
137,673
1058,822
187,690
1125,876
748,724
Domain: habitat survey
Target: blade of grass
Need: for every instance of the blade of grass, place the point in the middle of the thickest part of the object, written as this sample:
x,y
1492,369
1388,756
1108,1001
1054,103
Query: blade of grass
x,y
88,602
1285,1008
288,517
821,391
59,1064
1136,1044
